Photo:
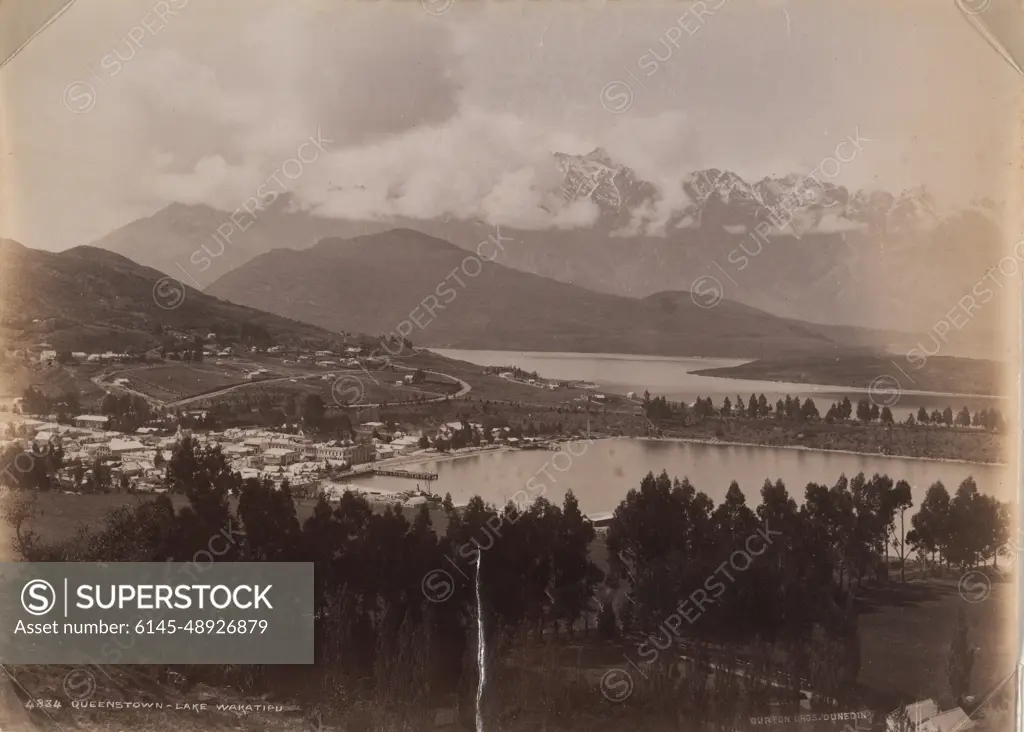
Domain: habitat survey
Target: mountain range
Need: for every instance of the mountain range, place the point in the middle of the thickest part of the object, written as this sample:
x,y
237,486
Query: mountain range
x,y
895,263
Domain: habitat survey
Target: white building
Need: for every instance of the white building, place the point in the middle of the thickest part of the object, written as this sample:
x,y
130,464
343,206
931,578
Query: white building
x,y
924,716
405,445
96,421
120,447
280,456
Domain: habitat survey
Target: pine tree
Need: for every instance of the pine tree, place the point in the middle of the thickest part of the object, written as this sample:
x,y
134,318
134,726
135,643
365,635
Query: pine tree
x,y
607,626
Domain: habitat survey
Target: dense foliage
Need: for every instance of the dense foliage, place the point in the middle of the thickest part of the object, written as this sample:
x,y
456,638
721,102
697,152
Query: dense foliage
x,y
395,599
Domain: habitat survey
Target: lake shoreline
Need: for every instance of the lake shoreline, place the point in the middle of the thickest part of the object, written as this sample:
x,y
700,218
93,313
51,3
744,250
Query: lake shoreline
x,y
421,460
824,450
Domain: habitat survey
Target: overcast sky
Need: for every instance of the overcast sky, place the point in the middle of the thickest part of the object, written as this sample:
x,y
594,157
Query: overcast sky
x,y
455,107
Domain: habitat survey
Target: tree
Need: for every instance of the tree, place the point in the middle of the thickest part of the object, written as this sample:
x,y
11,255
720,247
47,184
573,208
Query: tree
x,y
423,443
931,522
960,660
900,499
573,574
762,406
847,408
100,476
886,416
313,410
947,416
607,627
864,410
875,412
965,540
963,418
922,415
808,411
726,407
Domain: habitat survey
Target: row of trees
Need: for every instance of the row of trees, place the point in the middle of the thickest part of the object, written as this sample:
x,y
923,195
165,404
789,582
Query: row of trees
x,y
395,600
791,408
990,418
756,407
965,530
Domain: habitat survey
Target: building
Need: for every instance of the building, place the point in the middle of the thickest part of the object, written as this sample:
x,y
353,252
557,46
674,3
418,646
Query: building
x,y
95,421
924,716
405,445
280,456
97,449
120,447
352,453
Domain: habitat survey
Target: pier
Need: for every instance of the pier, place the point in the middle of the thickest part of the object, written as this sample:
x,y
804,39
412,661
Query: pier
x,y
398,473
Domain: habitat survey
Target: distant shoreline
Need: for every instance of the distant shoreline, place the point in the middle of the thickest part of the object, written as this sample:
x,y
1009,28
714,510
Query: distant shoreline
x,y
447,457
805,448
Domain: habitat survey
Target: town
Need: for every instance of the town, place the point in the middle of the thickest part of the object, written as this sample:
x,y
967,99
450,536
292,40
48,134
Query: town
x,y
123,444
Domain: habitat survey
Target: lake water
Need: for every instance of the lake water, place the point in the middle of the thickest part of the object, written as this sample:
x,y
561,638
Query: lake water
x,y
673,379
603,471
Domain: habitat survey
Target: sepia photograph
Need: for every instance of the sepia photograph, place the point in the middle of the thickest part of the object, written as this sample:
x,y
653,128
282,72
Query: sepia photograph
x,y
500,366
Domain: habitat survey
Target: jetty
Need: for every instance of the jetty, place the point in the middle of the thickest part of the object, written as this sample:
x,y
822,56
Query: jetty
x,y
399,473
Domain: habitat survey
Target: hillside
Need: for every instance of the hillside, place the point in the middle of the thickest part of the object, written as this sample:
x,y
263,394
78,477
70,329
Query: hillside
x,y
371,284
87,298
937,374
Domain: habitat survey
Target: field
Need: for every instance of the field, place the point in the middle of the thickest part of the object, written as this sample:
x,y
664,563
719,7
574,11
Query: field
x,y
356,387
173,381
906,630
